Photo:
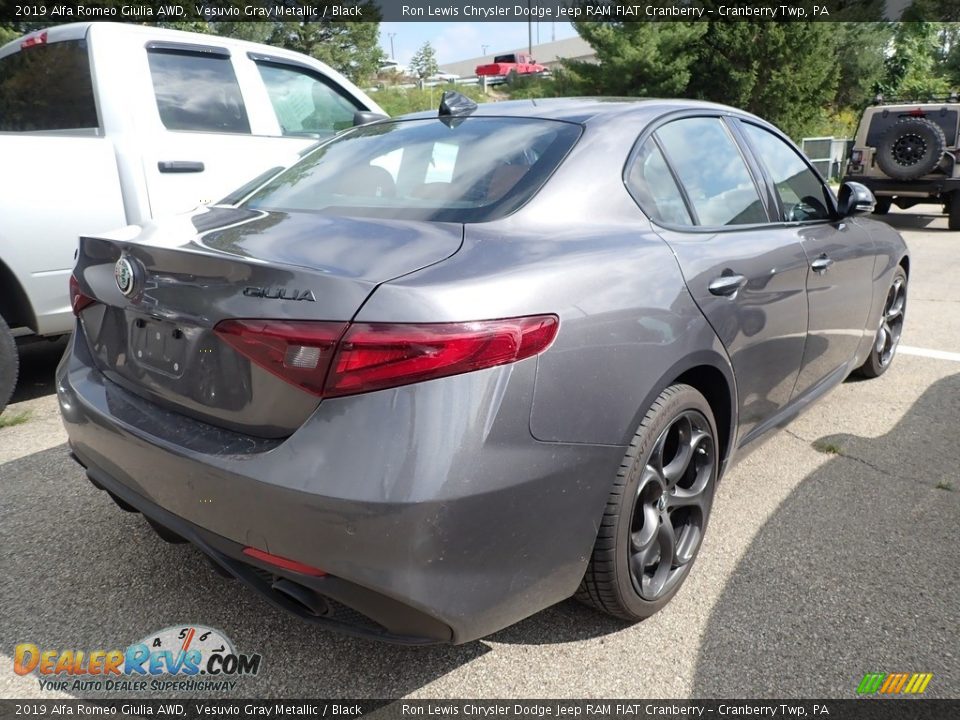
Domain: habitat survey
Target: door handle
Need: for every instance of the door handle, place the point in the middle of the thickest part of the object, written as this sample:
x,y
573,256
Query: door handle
x,y
727,285
821,264
180,166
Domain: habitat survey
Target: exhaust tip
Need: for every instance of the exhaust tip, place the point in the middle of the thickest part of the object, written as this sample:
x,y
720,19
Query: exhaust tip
x,y
304,597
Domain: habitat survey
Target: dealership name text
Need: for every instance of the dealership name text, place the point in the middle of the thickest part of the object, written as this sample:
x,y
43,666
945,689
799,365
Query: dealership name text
x,y
598,11
609,709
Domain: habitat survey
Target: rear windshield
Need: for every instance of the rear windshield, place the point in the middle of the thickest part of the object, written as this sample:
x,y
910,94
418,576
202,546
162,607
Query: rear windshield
x,y
460,170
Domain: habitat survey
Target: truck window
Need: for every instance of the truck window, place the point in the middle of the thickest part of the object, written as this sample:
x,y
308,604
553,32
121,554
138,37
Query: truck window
x,y
47,87
304,104
197,92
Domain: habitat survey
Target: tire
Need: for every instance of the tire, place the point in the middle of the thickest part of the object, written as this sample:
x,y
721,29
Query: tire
x,y
626,576
882,207
9,364
887,339
953,211
911,148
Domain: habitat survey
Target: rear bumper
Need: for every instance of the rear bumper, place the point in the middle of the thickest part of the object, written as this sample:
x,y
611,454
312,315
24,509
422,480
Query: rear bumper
x,y
883,186
436,514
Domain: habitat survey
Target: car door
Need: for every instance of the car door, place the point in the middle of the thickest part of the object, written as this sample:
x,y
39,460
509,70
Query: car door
x,y
746,275
839,278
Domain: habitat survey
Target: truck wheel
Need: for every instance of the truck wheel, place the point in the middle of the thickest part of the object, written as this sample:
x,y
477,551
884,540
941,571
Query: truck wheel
x,y
953,211
911,148
882,207
9,364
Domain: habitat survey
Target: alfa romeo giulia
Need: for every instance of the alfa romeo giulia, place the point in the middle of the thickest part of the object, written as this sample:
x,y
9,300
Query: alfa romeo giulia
x,y
452,368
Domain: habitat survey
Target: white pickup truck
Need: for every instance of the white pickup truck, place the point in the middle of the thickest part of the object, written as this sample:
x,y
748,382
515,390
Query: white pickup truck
x,y
104,125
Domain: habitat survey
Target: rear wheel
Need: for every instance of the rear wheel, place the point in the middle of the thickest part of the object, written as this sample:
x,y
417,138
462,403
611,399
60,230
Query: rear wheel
x,y
887,339
658,508
9,364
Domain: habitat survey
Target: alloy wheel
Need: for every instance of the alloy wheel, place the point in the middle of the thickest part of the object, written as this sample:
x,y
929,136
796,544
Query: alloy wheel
x,y
673,500
891,322
909,149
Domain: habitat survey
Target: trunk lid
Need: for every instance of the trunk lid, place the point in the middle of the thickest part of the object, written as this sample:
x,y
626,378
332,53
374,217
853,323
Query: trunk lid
x,y
191,272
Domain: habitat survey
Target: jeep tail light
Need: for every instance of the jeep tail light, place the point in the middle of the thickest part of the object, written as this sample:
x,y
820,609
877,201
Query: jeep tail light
x,y
334,359
857,156
917,112
78,299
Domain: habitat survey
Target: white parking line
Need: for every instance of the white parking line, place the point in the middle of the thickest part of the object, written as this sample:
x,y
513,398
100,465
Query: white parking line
x,y
924,352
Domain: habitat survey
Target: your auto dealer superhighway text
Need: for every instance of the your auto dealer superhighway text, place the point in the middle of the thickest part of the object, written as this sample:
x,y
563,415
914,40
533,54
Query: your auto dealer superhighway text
x,y
487,710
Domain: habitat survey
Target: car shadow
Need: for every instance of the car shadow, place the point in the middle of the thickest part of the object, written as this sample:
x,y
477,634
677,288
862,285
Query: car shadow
x,y
913,220
38,364
857,571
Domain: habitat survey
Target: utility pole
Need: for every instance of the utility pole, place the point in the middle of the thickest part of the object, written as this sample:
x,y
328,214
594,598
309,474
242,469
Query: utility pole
x,y
393,55
529,27
483,49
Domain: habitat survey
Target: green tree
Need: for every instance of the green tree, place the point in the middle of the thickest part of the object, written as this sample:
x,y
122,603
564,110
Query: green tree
x,y
785,72
353,48
637,58
919,65
423,64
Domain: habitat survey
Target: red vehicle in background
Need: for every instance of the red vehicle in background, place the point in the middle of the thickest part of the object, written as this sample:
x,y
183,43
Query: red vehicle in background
x,y
503,65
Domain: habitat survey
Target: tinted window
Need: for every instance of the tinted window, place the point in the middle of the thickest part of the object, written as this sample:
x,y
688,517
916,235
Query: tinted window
x,y
712,171
654,188
303,103
47,87
801,192
197,92
468,171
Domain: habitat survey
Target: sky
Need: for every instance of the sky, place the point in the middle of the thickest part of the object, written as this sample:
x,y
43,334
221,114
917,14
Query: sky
x,y
462,40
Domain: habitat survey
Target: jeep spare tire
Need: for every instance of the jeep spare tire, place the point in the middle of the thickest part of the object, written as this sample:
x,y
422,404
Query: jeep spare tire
x,y
911,148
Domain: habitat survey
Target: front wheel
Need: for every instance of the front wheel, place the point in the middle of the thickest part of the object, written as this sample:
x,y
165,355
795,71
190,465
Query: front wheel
x,y
657,511
9,364
887,339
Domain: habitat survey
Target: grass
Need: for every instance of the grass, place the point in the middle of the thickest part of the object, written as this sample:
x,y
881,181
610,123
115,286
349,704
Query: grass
x,y
944,485
11,419
827,448
400,101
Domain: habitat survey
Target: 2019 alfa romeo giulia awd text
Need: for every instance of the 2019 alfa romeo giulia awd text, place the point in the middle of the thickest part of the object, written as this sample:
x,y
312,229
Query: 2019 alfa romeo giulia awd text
x,y
452,368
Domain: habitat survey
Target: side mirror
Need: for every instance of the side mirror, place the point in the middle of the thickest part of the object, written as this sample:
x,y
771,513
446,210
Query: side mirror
x,y
365,117
855,199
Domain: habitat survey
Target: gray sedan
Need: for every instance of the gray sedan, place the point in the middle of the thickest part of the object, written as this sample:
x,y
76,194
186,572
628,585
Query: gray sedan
x,y
450,369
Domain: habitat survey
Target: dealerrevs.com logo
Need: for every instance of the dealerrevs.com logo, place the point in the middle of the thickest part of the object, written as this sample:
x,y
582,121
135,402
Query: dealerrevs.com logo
x,y
179,658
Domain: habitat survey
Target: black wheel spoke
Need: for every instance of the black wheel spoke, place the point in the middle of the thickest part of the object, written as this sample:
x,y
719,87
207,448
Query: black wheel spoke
x,y
674,496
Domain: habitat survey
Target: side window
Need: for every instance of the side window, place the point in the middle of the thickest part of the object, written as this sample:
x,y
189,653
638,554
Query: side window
x,y
652,185
713,172
305,104
197,92
47,87
801,193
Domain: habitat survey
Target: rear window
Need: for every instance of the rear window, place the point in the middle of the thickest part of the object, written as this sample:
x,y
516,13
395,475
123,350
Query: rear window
x,y
47,87
468,170
197,92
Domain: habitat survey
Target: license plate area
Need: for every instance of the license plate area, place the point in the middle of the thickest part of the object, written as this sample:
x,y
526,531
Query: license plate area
x,y
158,345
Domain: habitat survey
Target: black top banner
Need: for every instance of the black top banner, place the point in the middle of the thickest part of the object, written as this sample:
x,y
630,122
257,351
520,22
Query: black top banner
x,y
56,12
863,709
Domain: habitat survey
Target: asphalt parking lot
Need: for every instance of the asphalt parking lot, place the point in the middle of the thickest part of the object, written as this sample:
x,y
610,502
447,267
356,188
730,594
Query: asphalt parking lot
x,y
833,551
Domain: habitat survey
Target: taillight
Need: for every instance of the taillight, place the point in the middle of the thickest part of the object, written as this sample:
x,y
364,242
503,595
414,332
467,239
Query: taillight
x,y
298,352
78,299
332,359
857,156
38,39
